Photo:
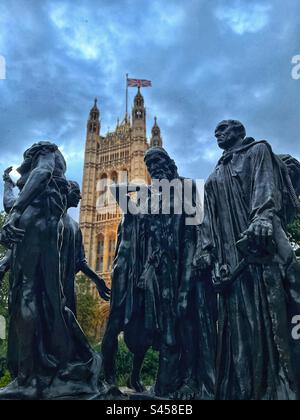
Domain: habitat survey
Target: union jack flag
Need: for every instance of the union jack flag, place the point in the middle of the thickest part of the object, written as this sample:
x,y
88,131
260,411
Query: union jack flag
x,y
138,83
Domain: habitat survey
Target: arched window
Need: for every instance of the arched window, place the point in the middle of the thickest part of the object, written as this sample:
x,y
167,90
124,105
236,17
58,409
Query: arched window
x,y
114,177
124,175
100,255
111,252
102,189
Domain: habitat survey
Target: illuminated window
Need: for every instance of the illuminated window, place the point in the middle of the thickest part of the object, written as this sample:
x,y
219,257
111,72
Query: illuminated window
x,y
100,255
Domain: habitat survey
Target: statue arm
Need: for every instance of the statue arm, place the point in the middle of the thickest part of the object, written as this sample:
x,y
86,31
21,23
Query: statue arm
x,y
121,193
204,248
82,265
264,199
103,290
36,183
8,195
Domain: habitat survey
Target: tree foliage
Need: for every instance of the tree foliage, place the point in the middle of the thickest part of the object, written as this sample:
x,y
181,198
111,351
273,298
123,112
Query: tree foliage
x,y
5,379
88,309
294,234
124,365
104,314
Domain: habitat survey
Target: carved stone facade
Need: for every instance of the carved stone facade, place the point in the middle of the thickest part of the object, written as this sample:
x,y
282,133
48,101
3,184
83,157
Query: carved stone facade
x,y
106,158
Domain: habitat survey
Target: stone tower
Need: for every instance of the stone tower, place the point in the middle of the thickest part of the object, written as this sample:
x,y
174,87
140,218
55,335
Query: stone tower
x,y
88,203
139,139
105,158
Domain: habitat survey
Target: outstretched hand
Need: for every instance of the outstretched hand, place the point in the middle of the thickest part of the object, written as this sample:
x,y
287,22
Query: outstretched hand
x,y
6,176
103,290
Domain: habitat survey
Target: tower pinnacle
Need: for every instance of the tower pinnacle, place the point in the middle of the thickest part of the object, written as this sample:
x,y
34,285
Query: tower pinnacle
x,y
156,139
139,117
94,119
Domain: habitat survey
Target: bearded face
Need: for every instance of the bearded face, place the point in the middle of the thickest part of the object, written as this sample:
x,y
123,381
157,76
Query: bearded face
x,y
159,167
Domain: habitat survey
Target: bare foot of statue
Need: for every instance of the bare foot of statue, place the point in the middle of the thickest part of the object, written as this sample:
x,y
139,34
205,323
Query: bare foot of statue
x,y
186,392
136,384
109,373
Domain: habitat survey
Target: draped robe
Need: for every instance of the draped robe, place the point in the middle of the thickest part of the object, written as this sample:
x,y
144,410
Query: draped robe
x,y
255,348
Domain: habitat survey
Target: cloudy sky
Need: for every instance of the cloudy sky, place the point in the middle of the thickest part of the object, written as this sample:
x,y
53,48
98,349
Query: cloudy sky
x,y
208,60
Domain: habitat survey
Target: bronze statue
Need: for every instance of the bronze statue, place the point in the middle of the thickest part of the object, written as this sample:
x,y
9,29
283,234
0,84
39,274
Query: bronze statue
x,y
145,283
250,199
48,352
72,253
216,300
151,288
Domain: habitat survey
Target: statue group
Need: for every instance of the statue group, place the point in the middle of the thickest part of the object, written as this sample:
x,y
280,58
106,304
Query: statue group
x,y
216,299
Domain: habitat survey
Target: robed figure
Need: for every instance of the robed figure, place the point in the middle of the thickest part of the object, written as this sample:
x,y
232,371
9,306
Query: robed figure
x,y
72,255
249,201
155,301
145,285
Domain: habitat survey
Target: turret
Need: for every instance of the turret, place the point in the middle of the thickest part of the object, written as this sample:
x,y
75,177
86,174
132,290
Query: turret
x,y
156,139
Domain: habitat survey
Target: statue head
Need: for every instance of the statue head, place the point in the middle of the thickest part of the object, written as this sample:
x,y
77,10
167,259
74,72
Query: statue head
x,y
34,151
159,164
74,194
229,133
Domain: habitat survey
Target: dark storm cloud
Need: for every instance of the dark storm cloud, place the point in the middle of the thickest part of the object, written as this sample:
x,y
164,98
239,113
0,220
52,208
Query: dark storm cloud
x,y
207,60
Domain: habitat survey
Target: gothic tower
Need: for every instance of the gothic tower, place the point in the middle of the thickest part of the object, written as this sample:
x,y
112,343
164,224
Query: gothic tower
x,y
106,158
88,203
139,139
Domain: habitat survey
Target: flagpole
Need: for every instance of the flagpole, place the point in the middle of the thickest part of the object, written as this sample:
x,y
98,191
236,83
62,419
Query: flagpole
x,y
126,113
